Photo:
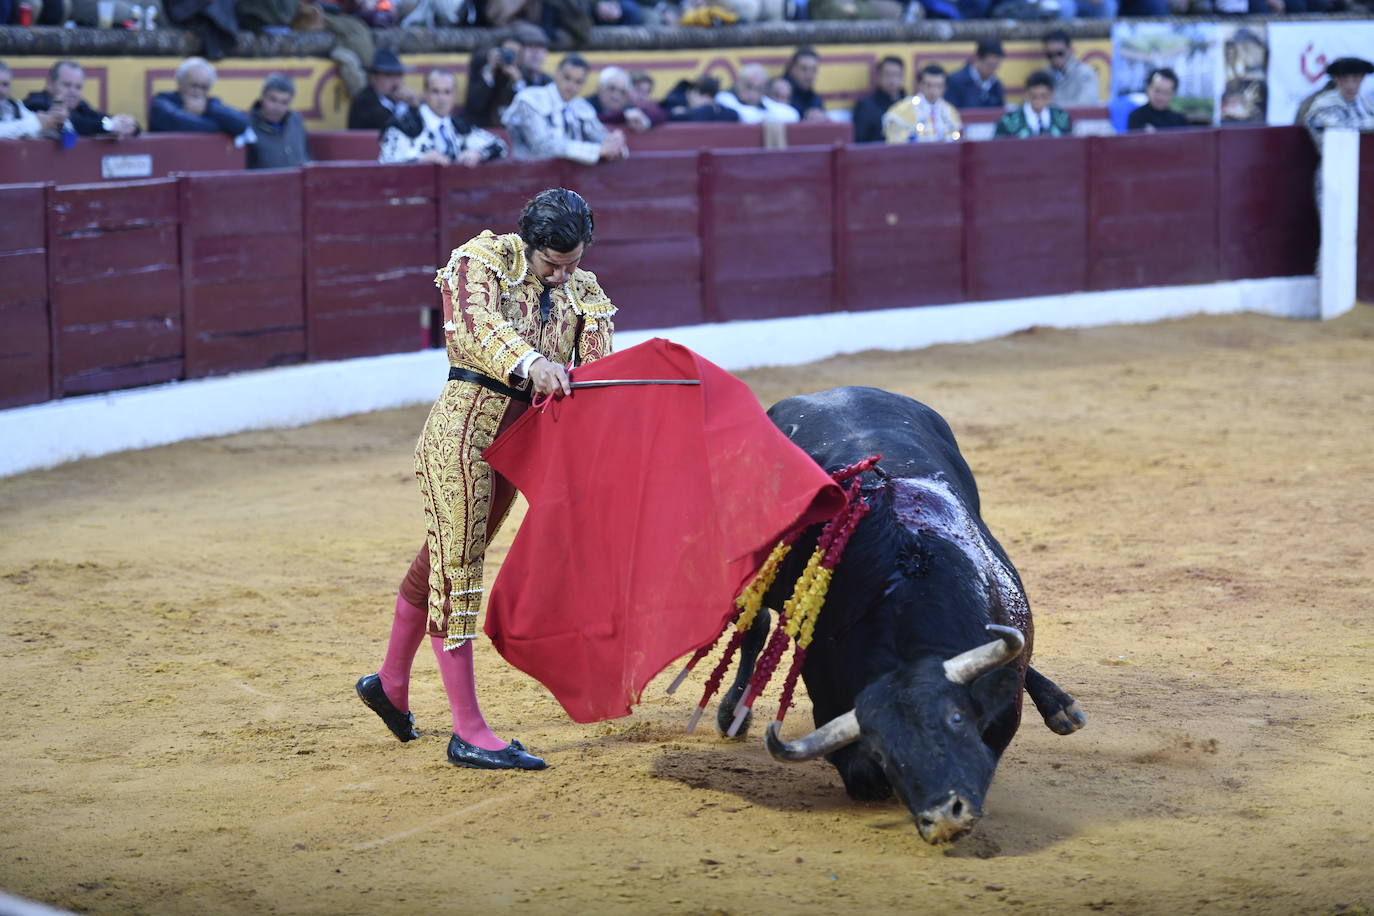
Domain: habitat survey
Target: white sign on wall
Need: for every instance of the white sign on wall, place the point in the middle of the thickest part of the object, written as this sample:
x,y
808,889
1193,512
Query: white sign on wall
x,y
1299,53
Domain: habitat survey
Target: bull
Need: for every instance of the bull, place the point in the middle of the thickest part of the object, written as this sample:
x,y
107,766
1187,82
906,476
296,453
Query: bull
x,y
909,692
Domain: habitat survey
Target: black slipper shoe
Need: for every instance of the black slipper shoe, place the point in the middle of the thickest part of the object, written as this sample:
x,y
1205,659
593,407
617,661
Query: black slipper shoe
x,y
402,724
511,757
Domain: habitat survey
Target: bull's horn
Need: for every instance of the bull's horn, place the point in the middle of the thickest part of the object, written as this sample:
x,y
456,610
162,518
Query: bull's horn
x,y
967,667
831,736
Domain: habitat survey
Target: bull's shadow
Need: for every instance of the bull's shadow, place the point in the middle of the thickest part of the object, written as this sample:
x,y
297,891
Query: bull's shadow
x,y
745,771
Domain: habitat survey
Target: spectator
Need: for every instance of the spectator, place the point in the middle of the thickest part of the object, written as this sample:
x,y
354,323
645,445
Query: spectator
x,y
16,121
855,9
779,90
612,102
924,117
641,87
493,79
534,49
554,120
1037,117
1342,107
281,139
1156,114
887,91
386,96
756,10
701,104
435,132
191,108
617,12
801,73
1075,82
748,101
65,80
977,85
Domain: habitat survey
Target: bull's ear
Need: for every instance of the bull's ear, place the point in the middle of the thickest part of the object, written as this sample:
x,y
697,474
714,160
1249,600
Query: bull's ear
x,y
994,694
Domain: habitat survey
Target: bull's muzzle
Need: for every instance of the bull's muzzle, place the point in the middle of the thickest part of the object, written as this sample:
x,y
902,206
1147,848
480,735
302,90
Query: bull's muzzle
x,y
947,821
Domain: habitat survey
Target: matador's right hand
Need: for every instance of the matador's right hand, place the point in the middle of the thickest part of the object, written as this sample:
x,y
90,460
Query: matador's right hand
x,y
549,378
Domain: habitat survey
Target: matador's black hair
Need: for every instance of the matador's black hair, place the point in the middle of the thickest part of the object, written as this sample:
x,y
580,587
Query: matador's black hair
x,y
557,219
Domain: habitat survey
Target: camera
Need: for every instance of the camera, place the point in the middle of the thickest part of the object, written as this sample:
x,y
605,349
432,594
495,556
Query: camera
x,y
507,56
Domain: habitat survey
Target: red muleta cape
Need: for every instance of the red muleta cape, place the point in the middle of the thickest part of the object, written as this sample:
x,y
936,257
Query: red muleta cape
x,y
650,508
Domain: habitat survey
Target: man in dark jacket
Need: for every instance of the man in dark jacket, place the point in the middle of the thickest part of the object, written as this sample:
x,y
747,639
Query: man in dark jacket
x,y
386,96
65,79
977,85
887,91
281,132
191,109
699,103
801,73
1156,114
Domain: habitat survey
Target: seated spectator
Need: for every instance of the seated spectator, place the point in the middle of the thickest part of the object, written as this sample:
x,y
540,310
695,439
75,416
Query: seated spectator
x,y
65,80
924,117
17,122
612,102
191,109
700,103
642,96
887,91
977,85
1075,81
493,79
435,132
281,139
617,12
801,74
554,121
534,50
1156,114
1037,117
749,102
1342,108
386,96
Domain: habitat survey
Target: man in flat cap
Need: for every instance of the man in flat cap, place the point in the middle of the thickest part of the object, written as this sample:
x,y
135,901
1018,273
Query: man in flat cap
x,y
386,96
1342,107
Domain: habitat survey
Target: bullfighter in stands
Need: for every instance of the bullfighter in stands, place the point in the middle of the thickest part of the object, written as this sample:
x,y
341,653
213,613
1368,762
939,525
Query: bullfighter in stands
x,y
517,310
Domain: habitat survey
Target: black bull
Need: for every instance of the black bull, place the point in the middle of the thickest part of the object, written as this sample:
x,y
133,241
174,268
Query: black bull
x,y
909,693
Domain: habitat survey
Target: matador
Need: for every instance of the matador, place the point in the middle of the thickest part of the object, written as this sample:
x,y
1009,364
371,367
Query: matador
x,y
519,313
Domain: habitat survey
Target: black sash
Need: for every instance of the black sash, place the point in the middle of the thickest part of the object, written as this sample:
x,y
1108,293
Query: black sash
x,y
455,374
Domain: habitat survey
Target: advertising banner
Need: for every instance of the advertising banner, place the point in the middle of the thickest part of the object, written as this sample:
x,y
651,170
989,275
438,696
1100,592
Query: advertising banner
x,y
1299,53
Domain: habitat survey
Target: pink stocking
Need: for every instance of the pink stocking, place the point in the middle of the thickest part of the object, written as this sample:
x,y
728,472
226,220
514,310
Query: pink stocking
x,y
460,683
407,630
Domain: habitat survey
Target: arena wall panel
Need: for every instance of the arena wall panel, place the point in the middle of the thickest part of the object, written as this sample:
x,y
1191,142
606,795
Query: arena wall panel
x,y
767,233
900,225
114,285
648,245
1266,208
1153,209
489,196
1364,238
1025,217
371,236
242,270
25,332
92,159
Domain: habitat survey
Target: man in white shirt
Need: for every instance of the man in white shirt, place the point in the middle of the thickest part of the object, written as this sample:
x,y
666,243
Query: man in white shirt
x,y
435,133
17,122
1075,82
749,101
554,121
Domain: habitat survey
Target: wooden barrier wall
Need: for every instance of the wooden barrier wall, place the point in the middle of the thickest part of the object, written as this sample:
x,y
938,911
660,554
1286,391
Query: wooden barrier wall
x,y
1364,264
112,286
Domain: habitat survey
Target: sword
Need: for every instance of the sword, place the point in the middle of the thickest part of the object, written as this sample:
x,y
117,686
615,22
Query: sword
x,y
609,382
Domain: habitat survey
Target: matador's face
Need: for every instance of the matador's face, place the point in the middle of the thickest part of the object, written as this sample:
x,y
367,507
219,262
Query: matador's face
x,y
554,268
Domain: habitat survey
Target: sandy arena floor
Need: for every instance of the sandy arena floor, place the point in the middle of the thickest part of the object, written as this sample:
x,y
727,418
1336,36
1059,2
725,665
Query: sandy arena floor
x,y
1189,504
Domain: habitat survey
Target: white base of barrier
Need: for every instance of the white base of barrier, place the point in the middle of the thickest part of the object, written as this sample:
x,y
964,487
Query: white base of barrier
x,y
46,435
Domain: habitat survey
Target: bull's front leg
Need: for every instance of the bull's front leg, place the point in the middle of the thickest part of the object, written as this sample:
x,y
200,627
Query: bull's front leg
x,y
749,651
1061,712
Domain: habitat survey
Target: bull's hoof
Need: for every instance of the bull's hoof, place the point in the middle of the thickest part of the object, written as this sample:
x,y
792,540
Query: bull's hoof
x,y
1067,719
725,714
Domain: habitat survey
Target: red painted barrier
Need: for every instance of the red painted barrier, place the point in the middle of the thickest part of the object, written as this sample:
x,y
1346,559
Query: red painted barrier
x,y
99,159
1364,257
1267,226
242,270
1153,214
25,335
1025,217
647,253
371,241
900,218
767,233
114,285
